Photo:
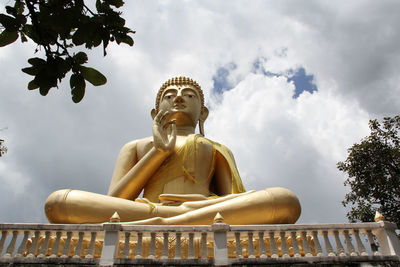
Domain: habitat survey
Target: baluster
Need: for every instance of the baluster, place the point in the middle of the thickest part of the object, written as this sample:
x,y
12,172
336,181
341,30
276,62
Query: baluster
x,y
296,250
22,247
328,245
191,246
78,248
3,240
125,253
339,246
178,246
374,247
152,249
360,246
274,250
306,246
285,252
54,250
251,245
238,246
139,246
67,243
43,248
165,246
262,245
349,245
318,248
204,245
11,246
32,249
91,245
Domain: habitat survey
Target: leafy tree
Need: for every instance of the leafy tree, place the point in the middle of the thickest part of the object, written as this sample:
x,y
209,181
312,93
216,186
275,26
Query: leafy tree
x,y
3,148
58,27
373,169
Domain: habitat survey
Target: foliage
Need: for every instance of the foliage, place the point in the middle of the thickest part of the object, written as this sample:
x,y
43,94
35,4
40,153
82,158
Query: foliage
x,y
373,169
58,27
3,148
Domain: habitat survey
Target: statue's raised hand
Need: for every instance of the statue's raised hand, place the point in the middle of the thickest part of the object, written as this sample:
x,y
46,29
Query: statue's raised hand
x,y
161,123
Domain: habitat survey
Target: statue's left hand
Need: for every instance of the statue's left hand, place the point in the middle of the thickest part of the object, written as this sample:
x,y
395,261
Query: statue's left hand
x,y
180,198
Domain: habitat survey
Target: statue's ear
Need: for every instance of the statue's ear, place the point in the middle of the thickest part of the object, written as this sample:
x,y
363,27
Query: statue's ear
x,y
203,113
153,113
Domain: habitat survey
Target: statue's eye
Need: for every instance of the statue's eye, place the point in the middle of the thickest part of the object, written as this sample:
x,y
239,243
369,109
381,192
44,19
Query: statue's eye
x,y
190,95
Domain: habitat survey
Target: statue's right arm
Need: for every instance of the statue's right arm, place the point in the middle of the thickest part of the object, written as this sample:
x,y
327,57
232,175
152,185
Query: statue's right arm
x,y
131,174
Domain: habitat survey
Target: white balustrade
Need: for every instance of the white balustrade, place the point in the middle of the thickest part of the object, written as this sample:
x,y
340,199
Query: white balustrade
x,y
218,244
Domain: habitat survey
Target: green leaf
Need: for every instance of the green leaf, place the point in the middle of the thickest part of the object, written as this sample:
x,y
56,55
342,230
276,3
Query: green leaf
x,y
31,70
81,58
23,38
8,22
19,6
128,40
44,90
116,3
79,36
98,6
93,76
78,85
7,37
11,10
61,67
35,61
33,85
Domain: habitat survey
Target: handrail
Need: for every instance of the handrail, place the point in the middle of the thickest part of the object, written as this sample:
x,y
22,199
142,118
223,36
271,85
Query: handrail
x,y
218,244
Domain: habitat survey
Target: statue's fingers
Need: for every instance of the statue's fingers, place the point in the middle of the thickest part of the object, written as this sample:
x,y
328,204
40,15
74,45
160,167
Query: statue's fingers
x,y
172,137
164,117
169,123
157,118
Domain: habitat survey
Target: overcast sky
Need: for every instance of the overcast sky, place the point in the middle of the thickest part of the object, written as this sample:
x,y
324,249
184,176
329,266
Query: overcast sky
x,y
290,86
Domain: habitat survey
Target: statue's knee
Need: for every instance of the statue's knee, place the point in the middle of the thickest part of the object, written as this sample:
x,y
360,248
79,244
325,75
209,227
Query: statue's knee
x,y
55,206
287,205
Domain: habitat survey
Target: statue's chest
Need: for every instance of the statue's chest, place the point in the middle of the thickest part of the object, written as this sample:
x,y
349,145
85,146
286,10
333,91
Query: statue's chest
x,y
195,168
197,158
188,170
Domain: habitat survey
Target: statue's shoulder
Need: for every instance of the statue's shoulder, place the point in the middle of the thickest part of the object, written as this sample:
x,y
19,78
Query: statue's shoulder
x,y
143,142
219,147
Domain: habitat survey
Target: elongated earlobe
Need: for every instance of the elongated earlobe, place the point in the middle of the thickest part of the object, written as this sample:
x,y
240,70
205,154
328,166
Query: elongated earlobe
x,y
203,117
201,127
153,113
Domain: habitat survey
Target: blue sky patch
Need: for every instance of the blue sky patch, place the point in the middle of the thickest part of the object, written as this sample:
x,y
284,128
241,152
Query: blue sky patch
x,y
220,79
258,67
302,82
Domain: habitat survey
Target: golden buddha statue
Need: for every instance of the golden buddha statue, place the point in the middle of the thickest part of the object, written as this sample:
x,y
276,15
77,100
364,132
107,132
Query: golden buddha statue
x,y
185,177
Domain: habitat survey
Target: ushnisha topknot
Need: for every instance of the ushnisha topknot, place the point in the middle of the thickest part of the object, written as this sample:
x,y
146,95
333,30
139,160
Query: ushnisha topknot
x,y
179,81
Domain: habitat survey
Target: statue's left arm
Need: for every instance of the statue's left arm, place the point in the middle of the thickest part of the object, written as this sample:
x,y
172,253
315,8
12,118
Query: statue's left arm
x,y
222,176
226,177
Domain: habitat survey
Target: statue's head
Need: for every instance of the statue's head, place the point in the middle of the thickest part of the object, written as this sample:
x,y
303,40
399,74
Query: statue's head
x,y
182,95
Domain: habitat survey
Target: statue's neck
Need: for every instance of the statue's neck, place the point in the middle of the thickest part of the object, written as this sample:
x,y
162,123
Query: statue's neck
x,y
185,130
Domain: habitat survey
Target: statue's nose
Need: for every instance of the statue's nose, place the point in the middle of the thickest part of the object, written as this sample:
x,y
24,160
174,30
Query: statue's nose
x,y
178,98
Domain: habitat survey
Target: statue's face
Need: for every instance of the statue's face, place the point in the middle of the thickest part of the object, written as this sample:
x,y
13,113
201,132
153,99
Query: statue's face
x,y
183,103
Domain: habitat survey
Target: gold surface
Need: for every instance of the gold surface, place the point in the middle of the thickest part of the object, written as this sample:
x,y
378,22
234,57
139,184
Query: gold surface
x,y
185,177
378,217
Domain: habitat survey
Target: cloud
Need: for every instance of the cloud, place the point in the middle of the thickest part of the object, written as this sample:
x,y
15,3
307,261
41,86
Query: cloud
x,y
350,48
297,145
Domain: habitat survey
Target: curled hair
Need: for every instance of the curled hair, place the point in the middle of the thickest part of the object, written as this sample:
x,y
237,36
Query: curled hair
x,y
179,81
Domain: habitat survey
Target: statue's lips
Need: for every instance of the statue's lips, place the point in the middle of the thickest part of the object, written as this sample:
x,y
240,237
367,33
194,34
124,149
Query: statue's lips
x,y
179,106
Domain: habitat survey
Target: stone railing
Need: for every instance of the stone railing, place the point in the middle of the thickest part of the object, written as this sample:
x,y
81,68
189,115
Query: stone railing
x,y
217,244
